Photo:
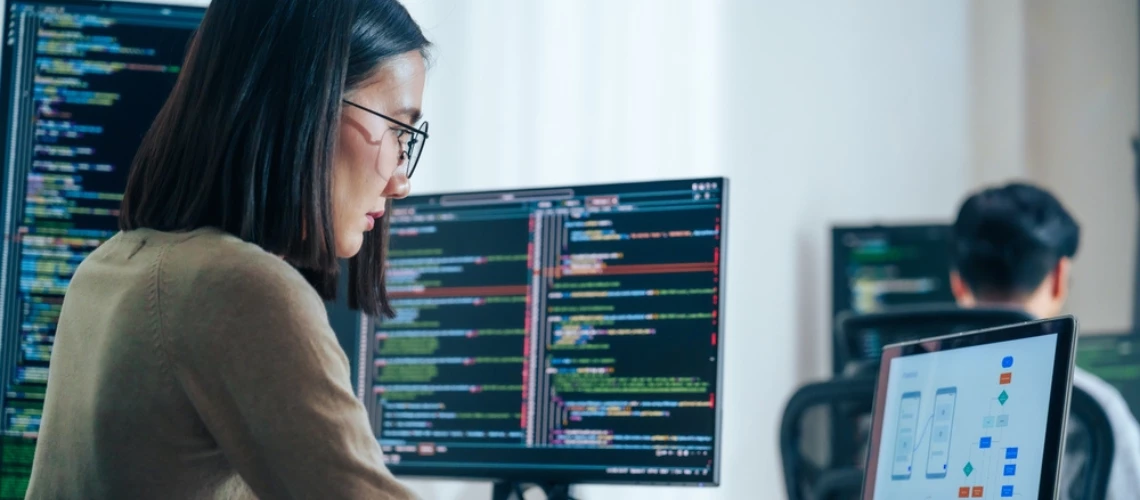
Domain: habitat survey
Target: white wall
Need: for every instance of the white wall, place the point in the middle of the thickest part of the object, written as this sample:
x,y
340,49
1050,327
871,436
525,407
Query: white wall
x,y
1055,101
849,111
997,90
1082,86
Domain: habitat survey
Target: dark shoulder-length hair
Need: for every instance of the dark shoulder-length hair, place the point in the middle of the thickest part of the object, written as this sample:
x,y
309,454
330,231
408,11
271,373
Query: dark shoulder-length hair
x,y
245,142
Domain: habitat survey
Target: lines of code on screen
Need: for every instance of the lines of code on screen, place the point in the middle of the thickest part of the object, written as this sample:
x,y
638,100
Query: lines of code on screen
x,y
571,330
84,83
879,267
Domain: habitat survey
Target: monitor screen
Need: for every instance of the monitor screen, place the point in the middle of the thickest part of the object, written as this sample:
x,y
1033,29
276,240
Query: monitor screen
x,y
967,423
877,267
82,82
562,334
1115,358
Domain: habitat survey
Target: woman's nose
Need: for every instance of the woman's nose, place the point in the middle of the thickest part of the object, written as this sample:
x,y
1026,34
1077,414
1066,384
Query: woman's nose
x,y
398,186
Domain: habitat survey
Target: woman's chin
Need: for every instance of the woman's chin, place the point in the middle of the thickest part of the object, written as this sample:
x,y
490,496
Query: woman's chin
x,y
347,248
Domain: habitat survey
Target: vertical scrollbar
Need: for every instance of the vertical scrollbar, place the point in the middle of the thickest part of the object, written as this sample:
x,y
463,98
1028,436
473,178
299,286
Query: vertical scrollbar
x,y
19,136
530,332
552,252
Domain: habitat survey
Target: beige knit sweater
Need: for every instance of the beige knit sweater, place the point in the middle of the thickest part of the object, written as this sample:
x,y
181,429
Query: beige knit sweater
x,y
194,366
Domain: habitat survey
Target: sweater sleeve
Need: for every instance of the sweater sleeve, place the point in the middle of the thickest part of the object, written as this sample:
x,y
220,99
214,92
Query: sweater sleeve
x,y
251,345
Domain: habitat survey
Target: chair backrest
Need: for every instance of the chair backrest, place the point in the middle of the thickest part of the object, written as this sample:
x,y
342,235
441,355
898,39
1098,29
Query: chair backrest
x,y
1090,444
810,413
860,338
839,484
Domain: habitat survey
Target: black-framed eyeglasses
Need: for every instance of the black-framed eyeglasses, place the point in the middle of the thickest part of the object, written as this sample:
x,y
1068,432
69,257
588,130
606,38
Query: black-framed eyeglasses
x,y
415,145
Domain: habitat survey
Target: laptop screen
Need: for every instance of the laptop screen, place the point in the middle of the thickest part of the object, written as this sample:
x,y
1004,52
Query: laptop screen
x,y
968,422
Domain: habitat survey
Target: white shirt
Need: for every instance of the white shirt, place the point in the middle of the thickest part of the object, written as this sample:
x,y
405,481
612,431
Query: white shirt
x,y
1124,477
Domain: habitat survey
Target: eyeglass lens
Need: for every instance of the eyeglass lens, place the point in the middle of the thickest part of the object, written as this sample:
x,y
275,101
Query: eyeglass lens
x,y
415,148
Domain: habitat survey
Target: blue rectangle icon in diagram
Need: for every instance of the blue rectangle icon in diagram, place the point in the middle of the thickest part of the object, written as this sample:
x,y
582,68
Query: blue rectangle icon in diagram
x,y
1003,420
1007,491
905,436
1010,469
1010,453
986,441
942,426
1007,362
988,422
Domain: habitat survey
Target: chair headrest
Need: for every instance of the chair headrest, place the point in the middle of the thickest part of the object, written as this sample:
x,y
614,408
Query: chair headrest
x,y
860,337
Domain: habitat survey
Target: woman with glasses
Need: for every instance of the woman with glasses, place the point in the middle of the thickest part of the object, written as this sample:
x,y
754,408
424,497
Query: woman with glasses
x,y
193,356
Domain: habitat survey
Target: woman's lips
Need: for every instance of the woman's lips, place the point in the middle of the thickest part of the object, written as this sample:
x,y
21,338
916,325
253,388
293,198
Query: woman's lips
x,y
371,217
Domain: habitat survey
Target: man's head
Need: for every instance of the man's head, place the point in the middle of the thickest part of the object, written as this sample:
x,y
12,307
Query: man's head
x,y
1013,246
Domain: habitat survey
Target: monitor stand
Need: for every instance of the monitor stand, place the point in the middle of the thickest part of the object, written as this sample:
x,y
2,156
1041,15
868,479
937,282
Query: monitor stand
x,y
514,490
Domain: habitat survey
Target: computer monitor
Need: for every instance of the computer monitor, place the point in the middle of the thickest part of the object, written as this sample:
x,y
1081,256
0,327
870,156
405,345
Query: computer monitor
x,y
878,267
82,81
557,335
1115,358
973,415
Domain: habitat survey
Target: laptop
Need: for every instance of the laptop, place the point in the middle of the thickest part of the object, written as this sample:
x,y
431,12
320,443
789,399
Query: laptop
x,y
973,415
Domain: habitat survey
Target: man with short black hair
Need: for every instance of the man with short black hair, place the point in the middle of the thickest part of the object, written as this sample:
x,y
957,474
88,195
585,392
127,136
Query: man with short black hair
x,y
1014,246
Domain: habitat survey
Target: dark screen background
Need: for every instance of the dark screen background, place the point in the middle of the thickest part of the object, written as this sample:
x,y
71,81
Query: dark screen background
x,y
548,339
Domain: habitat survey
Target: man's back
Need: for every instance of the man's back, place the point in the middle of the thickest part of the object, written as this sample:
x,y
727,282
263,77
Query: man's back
x,y
1124,476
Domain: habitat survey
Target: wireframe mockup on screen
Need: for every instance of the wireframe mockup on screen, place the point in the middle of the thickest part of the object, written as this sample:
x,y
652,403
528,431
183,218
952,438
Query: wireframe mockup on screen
x,y
82,82
565,334
975,415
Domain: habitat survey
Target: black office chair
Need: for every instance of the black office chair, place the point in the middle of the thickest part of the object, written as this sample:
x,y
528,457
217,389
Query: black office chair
x,y
860,337
1090,440
841,484
811,473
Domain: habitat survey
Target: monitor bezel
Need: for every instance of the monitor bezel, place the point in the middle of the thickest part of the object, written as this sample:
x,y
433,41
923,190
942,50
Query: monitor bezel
x,y
1065,327
567,476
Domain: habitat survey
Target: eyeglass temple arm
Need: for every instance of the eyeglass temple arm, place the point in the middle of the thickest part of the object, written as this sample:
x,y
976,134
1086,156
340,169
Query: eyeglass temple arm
x,y
403,125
